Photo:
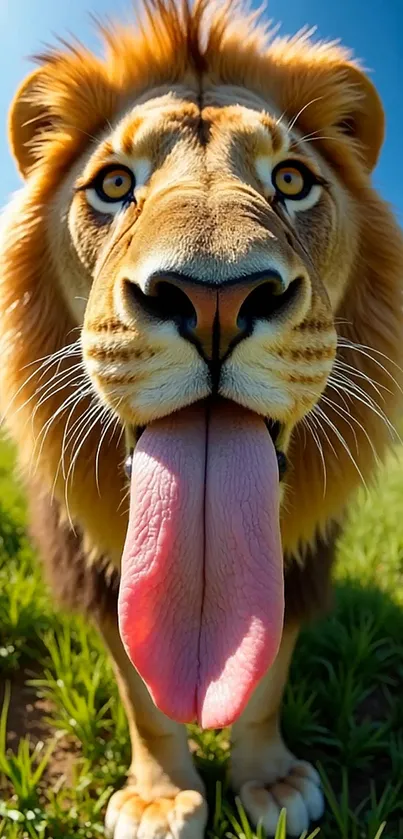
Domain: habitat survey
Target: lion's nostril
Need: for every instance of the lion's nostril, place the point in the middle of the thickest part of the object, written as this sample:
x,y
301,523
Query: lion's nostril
x,y
267,301
166,302
173,304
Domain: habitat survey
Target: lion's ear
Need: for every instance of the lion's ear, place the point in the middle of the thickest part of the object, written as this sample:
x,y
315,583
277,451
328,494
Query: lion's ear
x,y
365,122
327,95
26,121
59,106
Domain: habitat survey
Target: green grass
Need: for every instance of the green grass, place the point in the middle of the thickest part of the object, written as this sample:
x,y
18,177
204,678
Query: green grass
x,y
343,708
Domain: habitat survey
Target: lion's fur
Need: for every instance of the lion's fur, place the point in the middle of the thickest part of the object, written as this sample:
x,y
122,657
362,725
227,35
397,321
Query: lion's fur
x,y
72,96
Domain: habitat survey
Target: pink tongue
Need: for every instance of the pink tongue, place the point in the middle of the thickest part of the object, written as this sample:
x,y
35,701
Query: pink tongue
x,y
201,599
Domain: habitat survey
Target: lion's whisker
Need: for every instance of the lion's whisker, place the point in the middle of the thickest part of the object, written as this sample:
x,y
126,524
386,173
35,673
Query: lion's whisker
x,y
365,351
342,412
112,422
339,364
81,423
68,349
363,397
70,434
291,124
93,418
341,439
52,358
63,380
76,396
310,421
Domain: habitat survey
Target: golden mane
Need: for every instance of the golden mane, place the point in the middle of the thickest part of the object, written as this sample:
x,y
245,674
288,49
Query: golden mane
x,y
75,93
71,97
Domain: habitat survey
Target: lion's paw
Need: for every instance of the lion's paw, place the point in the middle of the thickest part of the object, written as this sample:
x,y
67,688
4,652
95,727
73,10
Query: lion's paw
x,y
183,816
299,792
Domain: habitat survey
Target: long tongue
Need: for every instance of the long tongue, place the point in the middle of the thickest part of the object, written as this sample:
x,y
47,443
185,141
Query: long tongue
x,y
201,599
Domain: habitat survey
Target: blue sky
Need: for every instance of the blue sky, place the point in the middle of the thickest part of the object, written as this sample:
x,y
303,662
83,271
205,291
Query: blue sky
x,y
371,27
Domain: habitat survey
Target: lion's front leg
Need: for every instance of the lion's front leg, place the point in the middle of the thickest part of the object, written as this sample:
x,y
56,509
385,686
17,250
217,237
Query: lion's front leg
x,y
164,795
264,772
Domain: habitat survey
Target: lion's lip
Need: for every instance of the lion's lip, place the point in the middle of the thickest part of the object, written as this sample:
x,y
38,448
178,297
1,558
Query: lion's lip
x,y
274,427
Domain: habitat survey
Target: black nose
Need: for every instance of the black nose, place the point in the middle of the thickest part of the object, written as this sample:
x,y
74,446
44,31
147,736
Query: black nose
x,y
215,317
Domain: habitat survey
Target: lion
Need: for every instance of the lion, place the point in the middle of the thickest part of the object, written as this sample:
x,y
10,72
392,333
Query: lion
x,y
201,360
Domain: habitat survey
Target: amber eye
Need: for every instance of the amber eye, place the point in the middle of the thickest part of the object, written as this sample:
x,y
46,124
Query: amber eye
x,y
293,180
114,184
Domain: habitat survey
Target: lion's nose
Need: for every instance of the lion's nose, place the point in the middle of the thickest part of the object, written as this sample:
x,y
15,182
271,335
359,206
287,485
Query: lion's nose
x,y
215,317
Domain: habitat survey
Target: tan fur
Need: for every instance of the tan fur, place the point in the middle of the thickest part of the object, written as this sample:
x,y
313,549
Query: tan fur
x,y
201,105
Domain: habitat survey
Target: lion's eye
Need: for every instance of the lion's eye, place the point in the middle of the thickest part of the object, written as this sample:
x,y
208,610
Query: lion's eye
x,y
111,190
114,184
293,180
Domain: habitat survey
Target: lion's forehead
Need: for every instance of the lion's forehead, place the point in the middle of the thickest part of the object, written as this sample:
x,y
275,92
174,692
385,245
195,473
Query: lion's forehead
x,y
220,130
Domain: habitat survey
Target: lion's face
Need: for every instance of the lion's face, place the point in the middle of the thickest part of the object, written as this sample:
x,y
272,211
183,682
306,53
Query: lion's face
x,y
212,244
